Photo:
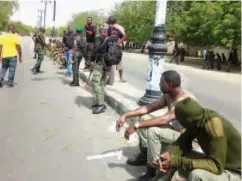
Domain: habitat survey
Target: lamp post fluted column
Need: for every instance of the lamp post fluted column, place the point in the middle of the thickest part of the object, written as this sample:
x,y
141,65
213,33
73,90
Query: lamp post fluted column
x,y
157,50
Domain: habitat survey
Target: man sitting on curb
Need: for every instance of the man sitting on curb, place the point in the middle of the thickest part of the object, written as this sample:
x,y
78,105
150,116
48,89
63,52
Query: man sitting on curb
x,y
156,133
218,138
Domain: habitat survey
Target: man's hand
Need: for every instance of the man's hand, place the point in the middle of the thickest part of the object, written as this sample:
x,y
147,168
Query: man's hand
x,y
49,48
130,130
120,123
89,32
164,162
1,59
91,64
20,60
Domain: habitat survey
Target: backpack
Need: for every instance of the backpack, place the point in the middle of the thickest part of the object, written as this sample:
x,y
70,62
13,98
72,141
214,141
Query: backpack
x,y
114,54
81,42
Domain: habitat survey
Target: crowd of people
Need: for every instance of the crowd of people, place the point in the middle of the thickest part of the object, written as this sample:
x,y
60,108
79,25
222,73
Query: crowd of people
x,y
101,50
188,142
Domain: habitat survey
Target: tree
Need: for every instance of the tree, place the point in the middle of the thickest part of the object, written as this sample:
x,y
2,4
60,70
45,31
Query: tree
x,y
205,22
22,28
7,9
137,17
80,19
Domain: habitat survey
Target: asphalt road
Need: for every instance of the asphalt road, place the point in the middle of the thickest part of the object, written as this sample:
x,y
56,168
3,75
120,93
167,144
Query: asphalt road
x,y
47,130
215,90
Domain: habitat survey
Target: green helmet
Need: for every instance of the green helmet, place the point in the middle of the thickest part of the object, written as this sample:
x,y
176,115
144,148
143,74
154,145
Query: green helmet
x,y
79,28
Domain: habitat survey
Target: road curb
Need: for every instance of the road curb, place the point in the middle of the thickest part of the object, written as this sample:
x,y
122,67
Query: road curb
x,y
120,104
111,100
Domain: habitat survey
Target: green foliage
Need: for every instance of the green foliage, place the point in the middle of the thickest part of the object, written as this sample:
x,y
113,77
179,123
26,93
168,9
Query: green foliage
x,y
22,28
80,19
7,9
137,17
205,22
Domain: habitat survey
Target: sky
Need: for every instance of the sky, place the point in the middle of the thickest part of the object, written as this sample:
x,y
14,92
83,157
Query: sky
x,y
28,10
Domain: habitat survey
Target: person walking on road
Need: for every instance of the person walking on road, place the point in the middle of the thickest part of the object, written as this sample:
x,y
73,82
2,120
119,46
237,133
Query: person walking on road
x,y
90,29
40,45
68,40
9,50
117,31
100,69
79,52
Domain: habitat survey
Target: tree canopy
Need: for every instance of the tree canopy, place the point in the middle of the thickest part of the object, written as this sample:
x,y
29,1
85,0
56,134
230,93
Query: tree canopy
x,y
7,9
205,22
22,28
137,17
80,19
198,23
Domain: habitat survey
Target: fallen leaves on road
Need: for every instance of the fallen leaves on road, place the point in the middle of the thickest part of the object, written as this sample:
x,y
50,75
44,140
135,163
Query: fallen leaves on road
x,y
49,130
89,139
49,137
45,103
65,147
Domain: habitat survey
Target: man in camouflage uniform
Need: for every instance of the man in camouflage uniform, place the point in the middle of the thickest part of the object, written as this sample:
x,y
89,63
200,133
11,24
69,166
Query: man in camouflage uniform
x,y
80,48
40,45
100,69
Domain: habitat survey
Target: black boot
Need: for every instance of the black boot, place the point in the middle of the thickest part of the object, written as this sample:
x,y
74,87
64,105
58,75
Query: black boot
x,y
141,158
74,84
34,70
1,82
150,173
99,109
95,105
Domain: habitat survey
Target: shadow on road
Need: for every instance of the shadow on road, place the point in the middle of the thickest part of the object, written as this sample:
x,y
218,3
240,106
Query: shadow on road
x,y
43,79
134,171
135,99
84,101
61,73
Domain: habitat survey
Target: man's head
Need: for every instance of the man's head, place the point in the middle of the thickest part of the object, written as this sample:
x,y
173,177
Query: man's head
x,y
42,30
11,29
189,113
79,29
89,20
170,81
103,28
70,29
111,20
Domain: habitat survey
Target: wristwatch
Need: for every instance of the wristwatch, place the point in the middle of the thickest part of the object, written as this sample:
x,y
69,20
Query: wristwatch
x,y
137,125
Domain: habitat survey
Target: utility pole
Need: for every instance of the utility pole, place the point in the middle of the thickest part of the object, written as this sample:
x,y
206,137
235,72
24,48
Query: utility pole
x,y
40,17
157,50
45,8
54,14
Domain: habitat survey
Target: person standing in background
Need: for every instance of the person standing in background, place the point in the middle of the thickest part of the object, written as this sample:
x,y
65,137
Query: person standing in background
x,y
79,52
90,29
68,40
117,31
40,45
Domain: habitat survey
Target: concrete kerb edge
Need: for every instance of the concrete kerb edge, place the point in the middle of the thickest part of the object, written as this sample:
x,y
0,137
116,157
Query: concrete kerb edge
x,y
118,106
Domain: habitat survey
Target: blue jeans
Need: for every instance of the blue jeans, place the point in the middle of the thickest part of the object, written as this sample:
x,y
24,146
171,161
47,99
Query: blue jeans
x,y
68,62
11,63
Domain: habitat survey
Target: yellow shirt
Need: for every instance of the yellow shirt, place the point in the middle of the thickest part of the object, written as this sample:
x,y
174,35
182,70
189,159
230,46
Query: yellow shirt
x,y
9,42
